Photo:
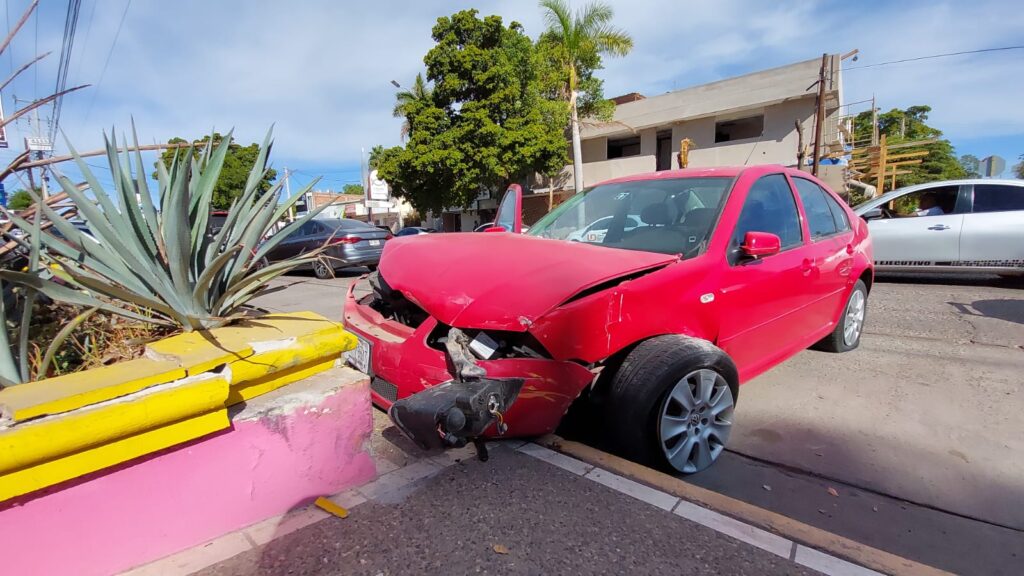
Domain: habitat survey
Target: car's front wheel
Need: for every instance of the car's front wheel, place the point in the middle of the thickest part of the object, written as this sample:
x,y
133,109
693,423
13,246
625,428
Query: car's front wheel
x,y
671,403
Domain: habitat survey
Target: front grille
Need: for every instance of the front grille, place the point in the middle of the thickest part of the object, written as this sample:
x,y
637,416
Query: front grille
x,y
385,389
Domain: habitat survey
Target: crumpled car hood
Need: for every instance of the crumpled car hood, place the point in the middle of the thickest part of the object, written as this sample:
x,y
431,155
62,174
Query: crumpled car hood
x,y
499,280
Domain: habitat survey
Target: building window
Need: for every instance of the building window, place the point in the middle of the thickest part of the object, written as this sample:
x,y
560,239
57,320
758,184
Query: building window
x,y
739,129
624,147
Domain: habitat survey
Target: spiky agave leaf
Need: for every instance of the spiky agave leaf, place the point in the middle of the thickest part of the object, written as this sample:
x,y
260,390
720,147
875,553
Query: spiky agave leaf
x,y
166,262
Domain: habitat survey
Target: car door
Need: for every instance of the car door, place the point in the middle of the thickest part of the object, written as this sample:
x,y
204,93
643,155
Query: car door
x,y
831,250
292,245
762,299
918,240
993,231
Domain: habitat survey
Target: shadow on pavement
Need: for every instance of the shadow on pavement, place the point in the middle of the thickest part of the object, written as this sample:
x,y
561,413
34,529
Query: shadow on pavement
x,y
1008,310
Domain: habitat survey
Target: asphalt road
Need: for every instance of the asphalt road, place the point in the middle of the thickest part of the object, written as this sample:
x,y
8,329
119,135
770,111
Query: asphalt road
x,y
918,432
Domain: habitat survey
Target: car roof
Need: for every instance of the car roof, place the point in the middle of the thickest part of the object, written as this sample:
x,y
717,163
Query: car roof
x,y
711,172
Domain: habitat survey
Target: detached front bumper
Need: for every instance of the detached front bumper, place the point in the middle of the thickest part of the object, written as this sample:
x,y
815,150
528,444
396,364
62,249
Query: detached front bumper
x,y
403,365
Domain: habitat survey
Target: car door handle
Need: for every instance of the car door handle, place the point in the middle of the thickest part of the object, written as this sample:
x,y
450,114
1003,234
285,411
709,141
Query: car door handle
x,y
939,227
807,266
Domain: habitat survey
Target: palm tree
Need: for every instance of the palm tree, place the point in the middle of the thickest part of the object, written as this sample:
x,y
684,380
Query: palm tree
x,y
587,31
406,100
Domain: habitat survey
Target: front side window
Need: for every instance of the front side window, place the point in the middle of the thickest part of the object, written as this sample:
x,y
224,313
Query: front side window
x,y
769,207
937,201
671,216
507,212
997,198
820,219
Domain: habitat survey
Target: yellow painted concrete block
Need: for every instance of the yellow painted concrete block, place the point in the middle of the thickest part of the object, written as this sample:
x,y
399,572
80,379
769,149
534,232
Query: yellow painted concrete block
x,y
46,439
65,393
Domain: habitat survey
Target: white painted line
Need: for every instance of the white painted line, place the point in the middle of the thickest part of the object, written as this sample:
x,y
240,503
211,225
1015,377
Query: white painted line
x,y
348,500
277,527
196,558
393,481
628,487
828,564
558,459
731,527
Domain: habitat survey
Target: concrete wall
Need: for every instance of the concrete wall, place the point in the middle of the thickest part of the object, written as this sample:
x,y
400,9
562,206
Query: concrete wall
x,y
777,145
596,172
283,450
594,149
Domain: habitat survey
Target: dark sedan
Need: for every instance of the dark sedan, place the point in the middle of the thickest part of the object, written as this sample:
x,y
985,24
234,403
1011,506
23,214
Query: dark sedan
x,y
349,243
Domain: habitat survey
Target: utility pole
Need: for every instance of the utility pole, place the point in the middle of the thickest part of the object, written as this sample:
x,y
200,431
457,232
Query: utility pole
x,y
880,184
366,185
288,194
874,122
819,115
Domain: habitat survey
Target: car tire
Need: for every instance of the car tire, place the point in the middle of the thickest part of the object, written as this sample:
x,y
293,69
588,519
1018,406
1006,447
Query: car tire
x,y
322,269
372,267
846,335
650,417
261,264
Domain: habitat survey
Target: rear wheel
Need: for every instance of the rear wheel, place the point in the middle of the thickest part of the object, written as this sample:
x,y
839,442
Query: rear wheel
x,y
322,270
846,335
671,403
372,267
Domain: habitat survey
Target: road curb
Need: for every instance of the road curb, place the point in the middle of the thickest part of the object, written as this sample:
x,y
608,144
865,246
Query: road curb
x,y
805,534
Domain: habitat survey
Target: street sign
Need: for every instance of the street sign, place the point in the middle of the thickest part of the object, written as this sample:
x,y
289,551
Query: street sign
x,y
992,166
378,187
38,144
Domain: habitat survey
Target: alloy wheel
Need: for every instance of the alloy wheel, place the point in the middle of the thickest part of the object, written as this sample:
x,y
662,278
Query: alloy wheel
x,y
853,321
696,420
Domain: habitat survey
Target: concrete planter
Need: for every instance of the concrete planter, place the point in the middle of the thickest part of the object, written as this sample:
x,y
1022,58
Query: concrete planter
x,y
107,469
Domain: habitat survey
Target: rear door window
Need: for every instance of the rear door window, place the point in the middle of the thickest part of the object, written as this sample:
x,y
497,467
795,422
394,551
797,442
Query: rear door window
x,y
998,198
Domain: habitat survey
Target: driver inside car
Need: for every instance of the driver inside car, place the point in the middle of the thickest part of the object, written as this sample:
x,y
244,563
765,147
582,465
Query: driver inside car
x,y
929,206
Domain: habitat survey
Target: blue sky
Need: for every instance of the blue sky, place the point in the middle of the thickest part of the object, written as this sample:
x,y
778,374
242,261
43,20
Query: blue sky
x,y
320,70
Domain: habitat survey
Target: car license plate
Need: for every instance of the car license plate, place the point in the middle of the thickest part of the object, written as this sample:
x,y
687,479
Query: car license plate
x,y
359,357
374,242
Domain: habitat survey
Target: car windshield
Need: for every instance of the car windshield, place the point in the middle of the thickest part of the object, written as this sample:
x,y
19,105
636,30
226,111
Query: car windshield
x,y
671,216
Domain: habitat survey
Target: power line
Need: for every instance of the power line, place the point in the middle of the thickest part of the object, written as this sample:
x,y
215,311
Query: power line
x,y
88,29
67,47
934,56
107,62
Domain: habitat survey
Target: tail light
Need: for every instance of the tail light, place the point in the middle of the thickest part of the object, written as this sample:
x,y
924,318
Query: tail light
x,y
347,240
389,236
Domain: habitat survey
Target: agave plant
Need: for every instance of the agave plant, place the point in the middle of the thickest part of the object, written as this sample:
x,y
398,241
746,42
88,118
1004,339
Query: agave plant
x,y
165,261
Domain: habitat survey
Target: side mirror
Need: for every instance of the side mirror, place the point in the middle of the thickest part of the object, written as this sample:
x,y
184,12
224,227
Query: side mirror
x,y
873,214
761,244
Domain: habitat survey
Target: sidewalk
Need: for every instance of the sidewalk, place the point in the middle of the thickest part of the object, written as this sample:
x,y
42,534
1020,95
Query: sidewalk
x,y
462,518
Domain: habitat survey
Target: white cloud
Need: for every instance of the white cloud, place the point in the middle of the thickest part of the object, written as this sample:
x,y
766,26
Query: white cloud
x,y
321,70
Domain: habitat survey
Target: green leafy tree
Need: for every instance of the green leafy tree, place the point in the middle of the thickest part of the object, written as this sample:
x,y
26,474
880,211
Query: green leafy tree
x,y
408,101
233,175
971,166
908,125
352,189
486,124
1018,169
20,199
579,41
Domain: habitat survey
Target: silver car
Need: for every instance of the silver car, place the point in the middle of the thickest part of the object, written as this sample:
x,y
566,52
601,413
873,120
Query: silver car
x,y
348,243
949,226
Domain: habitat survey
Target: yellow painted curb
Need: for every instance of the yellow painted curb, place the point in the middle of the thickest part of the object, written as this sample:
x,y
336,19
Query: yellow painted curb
x,y
61,428
806,534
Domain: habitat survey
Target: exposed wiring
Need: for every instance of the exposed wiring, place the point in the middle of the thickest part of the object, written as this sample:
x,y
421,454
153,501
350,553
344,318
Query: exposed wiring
x,y
67,47
934,56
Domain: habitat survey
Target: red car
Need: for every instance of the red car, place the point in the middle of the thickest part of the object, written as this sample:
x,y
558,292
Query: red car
x,y
732,271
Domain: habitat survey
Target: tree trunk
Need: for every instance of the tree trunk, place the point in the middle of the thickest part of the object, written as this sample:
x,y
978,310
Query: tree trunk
x,y
577,152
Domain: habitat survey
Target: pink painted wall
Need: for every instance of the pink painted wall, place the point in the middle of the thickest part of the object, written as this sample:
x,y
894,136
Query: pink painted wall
x,y
261,468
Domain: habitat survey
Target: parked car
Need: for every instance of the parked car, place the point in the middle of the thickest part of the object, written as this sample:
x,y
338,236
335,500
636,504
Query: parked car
x,y
414,231
483,227
652,329
349,243
950,226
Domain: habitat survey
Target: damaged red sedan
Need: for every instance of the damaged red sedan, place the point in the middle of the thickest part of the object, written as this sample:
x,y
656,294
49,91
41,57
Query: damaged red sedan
x,y
651,298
